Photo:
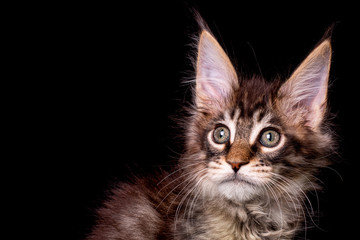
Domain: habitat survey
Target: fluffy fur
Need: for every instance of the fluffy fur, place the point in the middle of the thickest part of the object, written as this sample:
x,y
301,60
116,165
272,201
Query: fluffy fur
x,y
206,197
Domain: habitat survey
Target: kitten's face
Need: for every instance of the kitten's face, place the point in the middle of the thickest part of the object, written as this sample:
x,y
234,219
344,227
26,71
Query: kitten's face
x,y
257,138
244,153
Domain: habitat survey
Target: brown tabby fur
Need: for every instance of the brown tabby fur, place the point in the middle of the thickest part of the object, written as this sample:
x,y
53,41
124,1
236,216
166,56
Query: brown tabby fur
x,y
188,202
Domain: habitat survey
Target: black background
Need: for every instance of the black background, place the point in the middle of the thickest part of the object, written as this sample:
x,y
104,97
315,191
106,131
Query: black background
x,y
113,76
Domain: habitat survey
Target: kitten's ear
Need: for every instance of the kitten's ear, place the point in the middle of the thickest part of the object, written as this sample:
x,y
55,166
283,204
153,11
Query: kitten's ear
x,y
304,95
216,78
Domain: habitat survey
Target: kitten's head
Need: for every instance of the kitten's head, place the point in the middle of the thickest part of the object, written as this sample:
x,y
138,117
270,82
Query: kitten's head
x,y
249,138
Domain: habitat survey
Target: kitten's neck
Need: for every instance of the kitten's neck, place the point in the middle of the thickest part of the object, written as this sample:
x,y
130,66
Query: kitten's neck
x,y
251,220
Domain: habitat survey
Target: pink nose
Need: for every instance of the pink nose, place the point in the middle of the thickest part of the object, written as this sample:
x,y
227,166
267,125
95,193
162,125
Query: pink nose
x,y
236,165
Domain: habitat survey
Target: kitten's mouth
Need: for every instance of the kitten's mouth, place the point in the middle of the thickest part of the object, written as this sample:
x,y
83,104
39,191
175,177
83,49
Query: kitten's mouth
x,y
236,178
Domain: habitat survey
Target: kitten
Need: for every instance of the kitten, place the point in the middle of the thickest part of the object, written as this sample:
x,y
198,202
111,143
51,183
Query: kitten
x,y
253,148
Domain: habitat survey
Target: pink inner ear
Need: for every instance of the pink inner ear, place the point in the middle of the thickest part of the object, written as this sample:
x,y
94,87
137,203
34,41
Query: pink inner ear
x,y
321,91
215,75
310,94
212,92
213,80
306,90
314,89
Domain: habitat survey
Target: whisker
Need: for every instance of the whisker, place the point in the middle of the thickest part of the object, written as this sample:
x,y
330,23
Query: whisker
x,y
278,204
179,169
282,187
182,182
189,191
336,172
189,180
197,194
293,183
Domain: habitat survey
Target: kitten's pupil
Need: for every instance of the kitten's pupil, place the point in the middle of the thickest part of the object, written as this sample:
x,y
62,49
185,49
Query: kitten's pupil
x,y
222,133
269,137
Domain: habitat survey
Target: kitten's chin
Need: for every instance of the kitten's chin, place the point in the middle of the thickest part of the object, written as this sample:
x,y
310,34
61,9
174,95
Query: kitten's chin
x,y
238,191
238,188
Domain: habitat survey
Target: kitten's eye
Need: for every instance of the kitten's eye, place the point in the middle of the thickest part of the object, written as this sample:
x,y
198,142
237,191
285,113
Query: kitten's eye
x,y
221,135
270,138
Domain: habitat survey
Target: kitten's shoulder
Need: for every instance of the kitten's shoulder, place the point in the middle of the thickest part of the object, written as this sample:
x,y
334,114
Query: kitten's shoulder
x,y
130,211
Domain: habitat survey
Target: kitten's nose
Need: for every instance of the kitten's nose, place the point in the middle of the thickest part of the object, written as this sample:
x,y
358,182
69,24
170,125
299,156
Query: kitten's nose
x,y
236,165
239,154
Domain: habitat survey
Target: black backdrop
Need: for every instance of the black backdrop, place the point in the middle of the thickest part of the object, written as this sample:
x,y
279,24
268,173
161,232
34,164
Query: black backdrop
x,y
114,83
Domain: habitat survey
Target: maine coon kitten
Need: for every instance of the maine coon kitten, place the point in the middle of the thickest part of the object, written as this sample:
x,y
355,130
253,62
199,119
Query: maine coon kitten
x,y
253,148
